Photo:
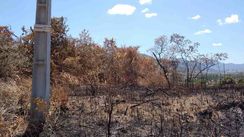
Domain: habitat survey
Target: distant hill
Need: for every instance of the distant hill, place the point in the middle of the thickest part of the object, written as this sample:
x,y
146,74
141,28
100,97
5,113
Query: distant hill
x,y
230,67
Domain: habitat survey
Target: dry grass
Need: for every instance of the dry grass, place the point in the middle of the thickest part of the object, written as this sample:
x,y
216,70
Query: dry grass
x,y
14,101
178,116
133,113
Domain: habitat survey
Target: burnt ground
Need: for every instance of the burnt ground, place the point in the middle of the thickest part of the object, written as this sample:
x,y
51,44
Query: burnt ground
x,y
119,112
127,112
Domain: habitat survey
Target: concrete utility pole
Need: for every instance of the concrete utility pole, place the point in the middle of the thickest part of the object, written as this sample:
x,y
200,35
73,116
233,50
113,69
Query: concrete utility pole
x,y
41,63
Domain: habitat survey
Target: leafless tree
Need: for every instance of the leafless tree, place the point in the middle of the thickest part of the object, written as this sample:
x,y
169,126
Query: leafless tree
x,y
162,53
187,51
85,38
194,62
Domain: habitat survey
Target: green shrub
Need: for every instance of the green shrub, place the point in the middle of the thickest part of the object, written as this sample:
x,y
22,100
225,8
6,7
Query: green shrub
x,y
240,82
227,81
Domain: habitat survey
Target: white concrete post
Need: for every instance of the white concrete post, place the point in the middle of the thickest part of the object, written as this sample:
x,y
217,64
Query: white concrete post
x,y
41,62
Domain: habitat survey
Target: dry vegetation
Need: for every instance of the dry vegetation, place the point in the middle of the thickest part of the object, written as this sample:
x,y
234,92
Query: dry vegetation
x,y
116,91
116,112
14,104
126,112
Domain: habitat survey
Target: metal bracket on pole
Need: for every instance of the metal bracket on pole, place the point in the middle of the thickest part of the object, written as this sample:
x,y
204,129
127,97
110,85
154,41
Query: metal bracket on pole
x,y
42,28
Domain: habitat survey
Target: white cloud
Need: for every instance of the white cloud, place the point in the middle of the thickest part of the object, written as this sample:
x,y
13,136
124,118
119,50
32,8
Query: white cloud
x,y
151,14
220,22
122,9
148,13
233,19
217,44
205,31
145,10
143,2
197,17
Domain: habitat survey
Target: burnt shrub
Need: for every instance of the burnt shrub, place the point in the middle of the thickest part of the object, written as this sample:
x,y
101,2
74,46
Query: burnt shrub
x,y
11,61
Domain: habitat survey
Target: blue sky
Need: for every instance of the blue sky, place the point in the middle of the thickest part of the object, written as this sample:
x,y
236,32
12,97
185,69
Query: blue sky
x,y
216,24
